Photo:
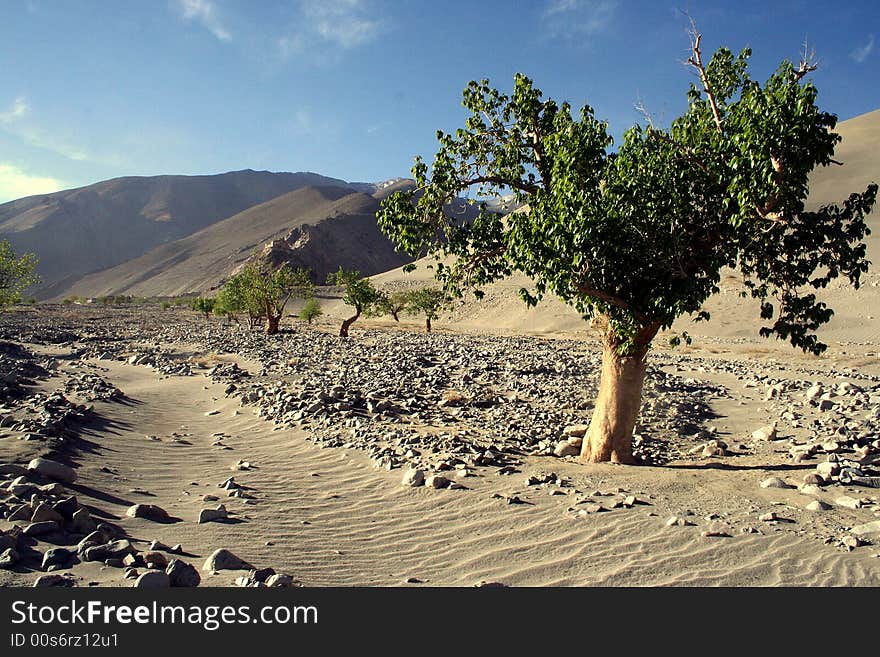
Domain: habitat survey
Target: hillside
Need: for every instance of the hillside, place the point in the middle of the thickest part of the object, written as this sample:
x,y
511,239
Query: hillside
x,y
319,228
77,231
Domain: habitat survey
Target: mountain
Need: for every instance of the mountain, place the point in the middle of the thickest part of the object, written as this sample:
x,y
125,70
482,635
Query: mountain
x,y
319,228
77,231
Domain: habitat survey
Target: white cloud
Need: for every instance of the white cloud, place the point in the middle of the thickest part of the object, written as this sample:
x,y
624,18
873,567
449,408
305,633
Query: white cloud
x,y
19,109
577,18
861,53
15,183
205,13
325,27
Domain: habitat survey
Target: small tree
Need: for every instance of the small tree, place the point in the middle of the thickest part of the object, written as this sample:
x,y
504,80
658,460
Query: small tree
x,y
359,293
634,239
427,301
16,274
311,310
391,304
204,305
263,292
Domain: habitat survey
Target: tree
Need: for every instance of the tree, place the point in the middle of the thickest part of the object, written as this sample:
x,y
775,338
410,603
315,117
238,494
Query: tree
x,y
311,310
634,239
359,293
204,305
427,301
263,292
16,274
391,304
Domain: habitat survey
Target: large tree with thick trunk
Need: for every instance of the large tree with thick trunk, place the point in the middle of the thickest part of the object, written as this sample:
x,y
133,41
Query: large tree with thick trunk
x,y
637,237
264,291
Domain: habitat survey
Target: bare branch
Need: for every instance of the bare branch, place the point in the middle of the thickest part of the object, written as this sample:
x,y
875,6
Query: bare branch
x,y
696,61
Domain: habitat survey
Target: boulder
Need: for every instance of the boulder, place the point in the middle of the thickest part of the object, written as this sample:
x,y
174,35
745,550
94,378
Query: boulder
x,y
223,559
182,574
148,512
153,579
52,470
413,477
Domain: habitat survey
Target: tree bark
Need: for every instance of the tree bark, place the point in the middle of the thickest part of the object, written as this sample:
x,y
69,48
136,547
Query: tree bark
x,y
343,330
609,437
427,324
274,321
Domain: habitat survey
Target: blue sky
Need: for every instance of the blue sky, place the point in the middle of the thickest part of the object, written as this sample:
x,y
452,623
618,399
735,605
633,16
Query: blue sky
x,y
93,89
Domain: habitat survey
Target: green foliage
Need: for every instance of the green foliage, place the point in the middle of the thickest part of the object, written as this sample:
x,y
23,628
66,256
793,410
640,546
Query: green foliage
x,y
16,274
263,292
427,301
391,304
311,310
359,292
638,237
166,305
204,305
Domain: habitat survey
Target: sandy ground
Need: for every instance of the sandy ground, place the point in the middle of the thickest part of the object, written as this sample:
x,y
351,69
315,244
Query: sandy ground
x,y
331,517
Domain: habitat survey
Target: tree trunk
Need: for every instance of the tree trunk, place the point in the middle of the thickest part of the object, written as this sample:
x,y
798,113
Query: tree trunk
x,y
609,437
274,321
343,330
427,324
394,315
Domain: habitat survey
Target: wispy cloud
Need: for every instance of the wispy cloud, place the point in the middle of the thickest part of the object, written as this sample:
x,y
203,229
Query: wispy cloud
x,y
861,53
304,123
577,18
326,27
15,183
17,110
204,12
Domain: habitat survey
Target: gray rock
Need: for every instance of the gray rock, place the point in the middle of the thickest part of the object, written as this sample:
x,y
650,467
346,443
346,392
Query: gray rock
x,y
57,556
868,529
279,580
148,512
413,477
153,579
437,481
765,433
211,515
567,448
223,559
41,528
45,581
52,470
182,574
817,505
775,482
111,550
8,558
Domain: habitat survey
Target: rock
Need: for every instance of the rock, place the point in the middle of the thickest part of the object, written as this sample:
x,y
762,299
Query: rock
x,y
437,481
716,530
44,512
828,469
148,512
810,489
52,470
848,502
52,580
765,433
817,505
111,550
811,478
182,574
56,557
153,579
279,580
223,559
576,430
775,482
567,448
82,522
41,528
868,529
153,559
66,507
768,517
675,521
98,537
8,558
413,477
211,515
851,542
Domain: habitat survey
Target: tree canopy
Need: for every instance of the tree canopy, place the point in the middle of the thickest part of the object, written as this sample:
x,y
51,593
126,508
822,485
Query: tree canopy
x,y
263,291
358,292
637,237
16,274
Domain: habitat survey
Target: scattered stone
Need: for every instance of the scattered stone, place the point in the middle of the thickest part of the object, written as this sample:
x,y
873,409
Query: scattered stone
x,y
223,559
182,574
57,556
817,505
153,579
212,515
765,433
148,512
775,482
413,477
